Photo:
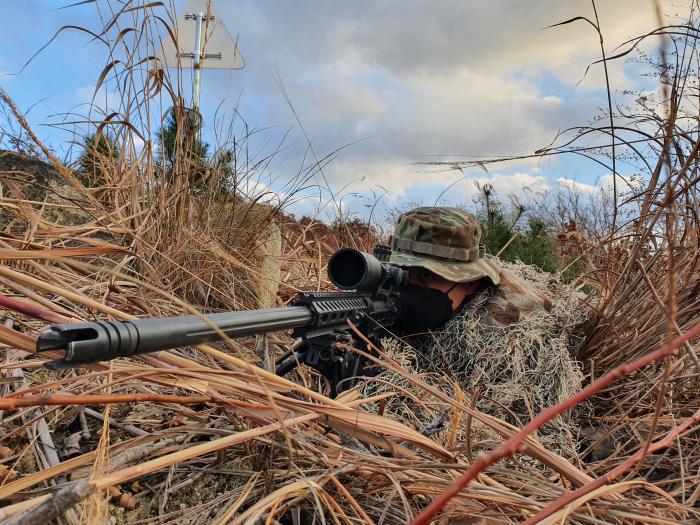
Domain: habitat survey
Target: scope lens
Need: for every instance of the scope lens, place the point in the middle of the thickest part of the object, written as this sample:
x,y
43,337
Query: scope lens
x,y
347,269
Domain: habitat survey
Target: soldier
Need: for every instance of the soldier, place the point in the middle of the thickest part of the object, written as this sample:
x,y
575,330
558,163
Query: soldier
x,y
508,330
440,247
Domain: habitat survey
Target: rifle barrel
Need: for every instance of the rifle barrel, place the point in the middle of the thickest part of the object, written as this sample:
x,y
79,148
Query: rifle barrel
x,y
105,340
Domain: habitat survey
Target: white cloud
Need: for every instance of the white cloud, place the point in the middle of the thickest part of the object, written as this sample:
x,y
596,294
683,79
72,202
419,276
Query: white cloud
x,y
104,99
515,183
464,112
575,185
603,183
606,181
415,78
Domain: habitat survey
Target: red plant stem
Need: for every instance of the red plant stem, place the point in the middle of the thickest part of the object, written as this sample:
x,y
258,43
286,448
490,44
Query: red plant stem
x,y
25,307
105,399
512,445
573,495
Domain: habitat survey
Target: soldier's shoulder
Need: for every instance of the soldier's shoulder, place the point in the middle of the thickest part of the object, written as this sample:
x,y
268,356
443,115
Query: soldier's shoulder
x,y
515,298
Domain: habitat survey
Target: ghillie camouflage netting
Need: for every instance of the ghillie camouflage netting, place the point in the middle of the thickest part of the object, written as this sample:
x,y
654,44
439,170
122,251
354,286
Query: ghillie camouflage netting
x,y
518,368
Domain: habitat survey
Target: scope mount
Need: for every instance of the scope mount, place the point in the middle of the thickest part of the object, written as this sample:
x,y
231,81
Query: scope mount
x,y
331,309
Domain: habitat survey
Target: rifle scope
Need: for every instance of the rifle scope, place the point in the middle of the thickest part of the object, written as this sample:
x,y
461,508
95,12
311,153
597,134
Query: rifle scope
x,y
350,269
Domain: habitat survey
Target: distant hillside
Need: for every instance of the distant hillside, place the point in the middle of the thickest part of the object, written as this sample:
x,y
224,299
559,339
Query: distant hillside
x,y
34,175
32,179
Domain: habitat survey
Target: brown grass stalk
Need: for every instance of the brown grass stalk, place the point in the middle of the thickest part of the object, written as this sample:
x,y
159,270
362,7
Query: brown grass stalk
x,y
570,497
513,445
103,399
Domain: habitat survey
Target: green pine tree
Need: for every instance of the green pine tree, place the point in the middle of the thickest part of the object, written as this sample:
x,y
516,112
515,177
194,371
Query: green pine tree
x,y
180,147
100,155
501,229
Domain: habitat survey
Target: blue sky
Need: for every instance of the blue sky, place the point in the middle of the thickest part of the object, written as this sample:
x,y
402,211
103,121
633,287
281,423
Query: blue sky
x,y
404,81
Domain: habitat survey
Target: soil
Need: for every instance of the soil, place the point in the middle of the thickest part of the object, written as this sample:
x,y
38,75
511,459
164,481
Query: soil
x,y
32,179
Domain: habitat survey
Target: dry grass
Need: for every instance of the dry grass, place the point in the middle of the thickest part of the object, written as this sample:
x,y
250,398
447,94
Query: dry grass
x,y
247,446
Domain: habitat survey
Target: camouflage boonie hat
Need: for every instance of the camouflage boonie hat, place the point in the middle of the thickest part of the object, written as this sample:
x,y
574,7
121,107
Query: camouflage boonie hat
x,y
444,241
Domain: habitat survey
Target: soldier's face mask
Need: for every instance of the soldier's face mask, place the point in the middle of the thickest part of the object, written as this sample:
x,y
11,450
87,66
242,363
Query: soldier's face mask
x,y
422,309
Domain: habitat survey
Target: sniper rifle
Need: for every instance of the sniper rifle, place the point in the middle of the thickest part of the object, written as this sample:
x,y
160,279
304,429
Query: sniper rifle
x,y
369,297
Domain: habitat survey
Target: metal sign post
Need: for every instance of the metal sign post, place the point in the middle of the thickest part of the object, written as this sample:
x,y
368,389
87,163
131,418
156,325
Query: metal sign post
x,y
208,34
196,62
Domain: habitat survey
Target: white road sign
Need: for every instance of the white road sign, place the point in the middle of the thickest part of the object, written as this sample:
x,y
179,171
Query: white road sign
x,y
218,49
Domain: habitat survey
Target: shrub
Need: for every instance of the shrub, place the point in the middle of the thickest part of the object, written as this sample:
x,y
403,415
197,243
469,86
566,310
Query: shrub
x,y
100,154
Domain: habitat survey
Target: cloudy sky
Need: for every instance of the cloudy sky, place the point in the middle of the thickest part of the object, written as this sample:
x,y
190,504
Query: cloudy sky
x,y
391,82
